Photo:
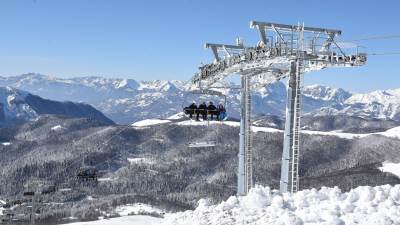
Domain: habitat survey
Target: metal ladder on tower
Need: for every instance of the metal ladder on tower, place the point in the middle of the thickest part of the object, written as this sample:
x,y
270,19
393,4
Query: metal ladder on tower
x,y
248,137
296,128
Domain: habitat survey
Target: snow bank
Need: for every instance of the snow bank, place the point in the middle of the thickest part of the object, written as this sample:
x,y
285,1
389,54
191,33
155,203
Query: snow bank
x,y
335,133
177,116
389,167
126,220
394,133
137,208
57,127
363,205
140,161
104,179
149,122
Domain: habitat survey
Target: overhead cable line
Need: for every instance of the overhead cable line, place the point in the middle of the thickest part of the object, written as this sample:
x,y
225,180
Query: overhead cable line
x,y
376,38
384,53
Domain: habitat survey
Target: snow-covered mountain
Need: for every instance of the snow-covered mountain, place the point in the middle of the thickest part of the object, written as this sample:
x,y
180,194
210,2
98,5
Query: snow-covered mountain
x,y
126,100
20,106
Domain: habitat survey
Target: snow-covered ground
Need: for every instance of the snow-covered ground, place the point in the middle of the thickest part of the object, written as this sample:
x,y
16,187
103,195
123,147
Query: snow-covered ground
x,y
130,215
393,133
149,122
57,127
136,209
363,205
389,167
140,161
177,116
328,206
125,220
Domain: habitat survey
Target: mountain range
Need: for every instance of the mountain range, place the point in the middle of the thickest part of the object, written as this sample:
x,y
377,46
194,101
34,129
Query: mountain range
x,y
345,139
127,100
18,106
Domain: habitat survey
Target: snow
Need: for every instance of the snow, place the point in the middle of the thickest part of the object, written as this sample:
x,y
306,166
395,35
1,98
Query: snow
x,y
177,116
394,132
137,208
362,205
390,167
126,220
128,217
103,179
140,161
5,143
205,123
335,133
57,128
149,122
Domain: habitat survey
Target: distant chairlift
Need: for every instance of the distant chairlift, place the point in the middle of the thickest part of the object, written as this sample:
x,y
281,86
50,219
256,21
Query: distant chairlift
x,y
87,173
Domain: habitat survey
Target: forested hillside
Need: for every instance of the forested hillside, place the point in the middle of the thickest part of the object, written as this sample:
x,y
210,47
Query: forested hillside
x,y
153,164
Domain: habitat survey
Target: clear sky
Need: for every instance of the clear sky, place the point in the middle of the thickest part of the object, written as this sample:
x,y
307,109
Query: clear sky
x,y
164,39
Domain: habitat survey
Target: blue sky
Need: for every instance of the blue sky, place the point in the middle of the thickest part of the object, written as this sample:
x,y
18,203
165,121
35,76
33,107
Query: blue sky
x,y
164,39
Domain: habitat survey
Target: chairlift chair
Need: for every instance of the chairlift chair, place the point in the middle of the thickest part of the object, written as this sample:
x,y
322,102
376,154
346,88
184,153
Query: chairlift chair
x,y
64,187
87,173
188,111
48,190
29,193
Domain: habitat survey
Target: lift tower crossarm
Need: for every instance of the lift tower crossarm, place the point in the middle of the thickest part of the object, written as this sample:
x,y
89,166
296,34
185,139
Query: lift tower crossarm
x,y
268,25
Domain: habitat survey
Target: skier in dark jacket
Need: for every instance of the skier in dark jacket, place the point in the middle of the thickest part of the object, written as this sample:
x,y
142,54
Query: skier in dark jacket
x,y
212,110
221,111
202,110
191,109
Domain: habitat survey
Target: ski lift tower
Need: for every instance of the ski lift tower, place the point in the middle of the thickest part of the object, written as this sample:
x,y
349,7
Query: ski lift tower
x,y
284,51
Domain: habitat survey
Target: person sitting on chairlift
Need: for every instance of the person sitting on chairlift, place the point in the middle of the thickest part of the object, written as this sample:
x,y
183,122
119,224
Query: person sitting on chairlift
x,y
202,110
221,111
192,110
212,110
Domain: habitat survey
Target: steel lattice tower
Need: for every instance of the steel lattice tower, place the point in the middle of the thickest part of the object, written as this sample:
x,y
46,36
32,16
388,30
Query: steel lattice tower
x,y
284,51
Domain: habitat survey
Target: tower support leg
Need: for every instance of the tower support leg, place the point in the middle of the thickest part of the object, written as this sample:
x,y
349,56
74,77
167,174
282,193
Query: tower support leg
x,y
245,173
290,154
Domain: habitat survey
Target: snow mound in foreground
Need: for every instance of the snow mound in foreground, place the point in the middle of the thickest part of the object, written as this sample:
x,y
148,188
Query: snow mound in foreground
x,y
362,205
